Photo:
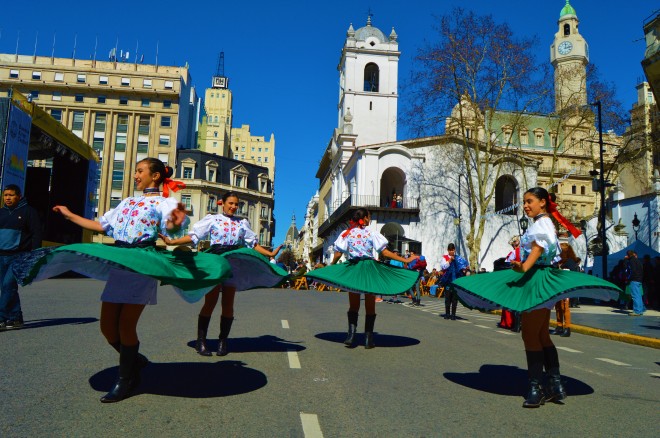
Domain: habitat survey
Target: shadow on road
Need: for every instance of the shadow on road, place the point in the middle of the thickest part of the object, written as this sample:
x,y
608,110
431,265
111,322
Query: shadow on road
x,y
381,340
38,323
509,380
266,343
189,379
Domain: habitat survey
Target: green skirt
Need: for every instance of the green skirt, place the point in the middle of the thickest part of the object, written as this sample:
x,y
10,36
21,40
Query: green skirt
x,y
540,287
251,270
192,274
366,276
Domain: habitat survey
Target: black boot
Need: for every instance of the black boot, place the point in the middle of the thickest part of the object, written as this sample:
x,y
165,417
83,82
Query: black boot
x,y
447,311
126,382
566,333
454,303
225,328
535,396
517,320
558,330
369,331
141,362
352,328
555,389
202,329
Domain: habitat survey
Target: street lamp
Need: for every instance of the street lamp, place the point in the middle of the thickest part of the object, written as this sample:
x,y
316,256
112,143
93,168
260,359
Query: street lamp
x,y
524,223
601,189
635,224
457,219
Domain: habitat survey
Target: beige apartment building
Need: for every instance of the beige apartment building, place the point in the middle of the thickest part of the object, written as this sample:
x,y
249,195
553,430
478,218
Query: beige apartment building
x,y
125,111
216,135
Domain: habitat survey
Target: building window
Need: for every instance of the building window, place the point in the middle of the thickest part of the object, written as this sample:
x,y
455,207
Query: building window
x,y
144,124
123,101
146,83
13,74
118,174
538,137
259,159
100,99
169,85
79,98
235,156
122,123
125,82
59,77
164,140
57,95
120,143
56,114
186,200
567,29
145,102
78,121
166,121
36,75
215,144
215,134
583,190
103,80
34,95
265,159
252,148
506,194
167,104
371,73
238,180
264,212
523,138
81,79
188,172
573,189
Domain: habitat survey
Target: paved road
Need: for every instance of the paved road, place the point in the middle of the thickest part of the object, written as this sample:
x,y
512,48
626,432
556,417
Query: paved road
x,y
288,374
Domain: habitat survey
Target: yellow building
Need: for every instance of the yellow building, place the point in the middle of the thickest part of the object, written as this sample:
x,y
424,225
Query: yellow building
x,y
216,135
126,111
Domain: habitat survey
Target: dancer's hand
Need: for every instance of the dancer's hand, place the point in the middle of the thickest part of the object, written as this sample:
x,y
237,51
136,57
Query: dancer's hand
x,y
64,211
165,238
178,215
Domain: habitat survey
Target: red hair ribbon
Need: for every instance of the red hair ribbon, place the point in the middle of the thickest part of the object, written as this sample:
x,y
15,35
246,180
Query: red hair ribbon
x,y
552,209
170,184
352,224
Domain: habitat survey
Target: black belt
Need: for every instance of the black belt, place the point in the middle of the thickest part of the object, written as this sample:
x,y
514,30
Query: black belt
x,y
144,244
221,249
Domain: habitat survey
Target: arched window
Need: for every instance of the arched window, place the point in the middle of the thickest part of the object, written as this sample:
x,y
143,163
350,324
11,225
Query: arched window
x,y
567,29
506,194
371,74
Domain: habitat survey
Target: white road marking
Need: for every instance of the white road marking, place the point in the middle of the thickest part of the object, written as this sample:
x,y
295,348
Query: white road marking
x,y
294,362
655,374
570,350
285,323
482,326
464,321
613,362
311,426
505,332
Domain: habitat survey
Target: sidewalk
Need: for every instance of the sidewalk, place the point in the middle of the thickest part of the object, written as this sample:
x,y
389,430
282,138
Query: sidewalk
x,y
608,322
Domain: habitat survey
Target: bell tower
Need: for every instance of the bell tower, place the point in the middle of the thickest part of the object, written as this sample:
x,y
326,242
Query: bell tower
x,y
569,54
368,84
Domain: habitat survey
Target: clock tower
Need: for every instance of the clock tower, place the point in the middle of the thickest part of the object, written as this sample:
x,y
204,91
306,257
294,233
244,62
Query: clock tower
x,y
569,54
368,82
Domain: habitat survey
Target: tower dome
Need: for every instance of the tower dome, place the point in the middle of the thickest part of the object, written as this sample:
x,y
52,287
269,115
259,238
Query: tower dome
x,y
567,10
363,33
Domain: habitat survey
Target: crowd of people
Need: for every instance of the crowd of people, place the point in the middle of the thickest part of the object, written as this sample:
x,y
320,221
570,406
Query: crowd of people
x,y
539,274
640,282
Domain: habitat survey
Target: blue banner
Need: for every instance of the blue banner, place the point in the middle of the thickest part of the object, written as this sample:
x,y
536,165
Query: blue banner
x,y
92,200
14,163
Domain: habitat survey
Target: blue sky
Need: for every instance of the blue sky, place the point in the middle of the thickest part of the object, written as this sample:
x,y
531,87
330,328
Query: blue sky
x,y
281,57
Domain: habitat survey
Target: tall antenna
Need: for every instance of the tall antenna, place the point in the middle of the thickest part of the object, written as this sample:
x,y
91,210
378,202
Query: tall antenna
x,y
75,42
221,65
96,43
18,37
52,52
36,38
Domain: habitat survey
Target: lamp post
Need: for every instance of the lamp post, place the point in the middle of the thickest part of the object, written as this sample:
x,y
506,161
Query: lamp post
x,y
635,224
457,219
601,190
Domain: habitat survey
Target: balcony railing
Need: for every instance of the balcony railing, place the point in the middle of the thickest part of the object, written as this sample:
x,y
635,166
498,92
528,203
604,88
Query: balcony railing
x,y
368,201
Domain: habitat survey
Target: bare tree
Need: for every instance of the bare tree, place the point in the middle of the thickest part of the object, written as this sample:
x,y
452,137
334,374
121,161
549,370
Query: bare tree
x,y
482,66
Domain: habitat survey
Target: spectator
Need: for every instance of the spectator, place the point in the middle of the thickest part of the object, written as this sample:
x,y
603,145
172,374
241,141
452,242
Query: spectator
x,y
399,201
455,267
418,265
568,261
636,278
20,232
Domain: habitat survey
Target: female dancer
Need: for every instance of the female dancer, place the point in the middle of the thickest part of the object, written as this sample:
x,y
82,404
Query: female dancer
x,y
227,234
362,274
535,292
134,260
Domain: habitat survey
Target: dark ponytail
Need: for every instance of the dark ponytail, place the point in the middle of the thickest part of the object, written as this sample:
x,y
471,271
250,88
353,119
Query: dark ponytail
x,y
358,220
155,165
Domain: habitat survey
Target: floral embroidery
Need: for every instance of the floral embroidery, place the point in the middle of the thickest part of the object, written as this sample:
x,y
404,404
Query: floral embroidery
x,y
137,219
359,243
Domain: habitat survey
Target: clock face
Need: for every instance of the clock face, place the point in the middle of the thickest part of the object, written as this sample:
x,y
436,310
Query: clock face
x,y
565,48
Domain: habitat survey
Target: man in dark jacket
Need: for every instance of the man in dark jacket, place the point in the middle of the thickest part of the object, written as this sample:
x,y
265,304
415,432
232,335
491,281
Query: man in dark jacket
x,y
636,277
20,231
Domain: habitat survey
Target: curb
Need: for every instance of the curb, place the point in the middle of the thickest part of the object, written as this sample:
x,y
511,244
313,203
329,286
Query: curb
x,y
615,336
599,333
